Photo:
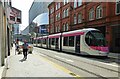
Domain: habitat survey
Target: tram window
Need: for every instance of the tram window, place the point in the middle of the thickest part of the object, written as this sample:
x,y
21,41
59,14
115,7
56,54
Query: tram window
x,y
53,41
71,41
99,38
50,41
65,41
95,38
117,42
44,41
39,41
90,40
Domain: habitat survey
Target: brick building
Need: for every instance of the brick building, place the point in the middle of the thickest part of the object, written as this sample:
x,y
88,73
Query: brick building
x,y
105,16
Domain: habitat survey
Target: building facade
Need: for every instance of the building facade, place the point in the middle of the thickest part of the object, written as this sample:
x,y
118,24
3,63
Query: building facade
x,y
5,32
38,18
105,16
36,9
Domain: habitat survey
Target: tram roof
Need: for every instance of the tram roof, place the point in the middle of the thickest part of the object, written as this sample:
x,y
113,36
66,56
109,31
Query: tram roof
x,y
58,34
80,30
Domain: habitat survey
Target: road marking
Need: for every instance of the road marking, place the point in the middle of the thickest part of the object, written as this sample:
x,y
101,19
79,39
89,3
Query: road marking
x,y
69,60
109,64
57,66
114,57
42,54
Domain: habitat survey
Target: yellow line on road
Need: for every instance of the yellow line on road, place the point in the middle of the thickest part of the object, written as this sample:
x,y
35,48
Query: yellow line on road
x,y
60,67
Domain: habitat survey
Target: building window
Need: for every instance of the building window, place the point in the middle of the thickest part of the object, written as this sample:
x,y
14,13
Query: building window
x,y
63,27
79,18
52,29
75,3
52,10
57,5
117,6
75,20
65,2
65,13
56,28
91,14
57,16
99,12
66,26
51,20
79,2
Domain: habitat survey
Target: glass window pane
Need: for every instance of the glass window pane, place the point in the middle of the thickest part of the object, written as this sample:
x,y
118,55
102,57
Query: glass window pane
x,y
79,18
71,41
53,41
65,41
79,2
75,3
118,7
75,19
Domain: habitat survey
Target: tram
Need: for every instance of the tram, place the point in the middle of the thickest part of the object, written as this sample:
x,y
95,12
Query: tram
x,y
87,41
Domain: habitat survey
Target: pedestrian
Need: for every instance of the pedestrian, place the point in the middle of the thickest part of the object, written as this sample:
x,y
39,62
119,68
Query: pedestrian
x,y
16,48
25,49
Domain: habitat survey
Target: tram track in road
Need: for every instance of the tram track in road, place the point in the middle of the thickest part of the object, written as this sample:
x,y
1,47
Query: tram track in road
x,y
78,67
103,60
99,58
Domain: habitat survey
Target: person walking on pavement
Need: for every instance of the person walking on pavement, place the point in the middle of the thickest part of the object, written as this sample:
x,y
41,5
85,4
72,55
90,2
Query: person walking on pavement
x,y
16,48
25,49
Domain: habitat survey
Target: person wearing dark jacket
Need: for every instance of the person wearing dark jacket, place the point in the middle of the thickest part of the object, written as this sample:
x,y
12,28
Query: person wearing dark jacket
x,y
25,49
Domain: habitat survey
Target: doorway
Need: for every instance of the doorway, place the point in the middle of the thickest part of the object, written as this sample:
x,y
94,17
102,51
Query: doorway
x,y
57,43
77,44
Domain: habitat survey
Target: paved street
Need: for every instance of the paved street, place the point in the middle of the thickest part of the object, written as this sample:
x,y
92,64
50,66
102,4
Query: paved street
x,y
34,66
48,63
83,66
64,38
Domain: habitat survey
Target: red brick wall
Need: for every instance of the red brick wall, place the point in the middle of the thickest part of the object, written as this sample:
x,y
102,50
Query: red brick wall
x,y
109,19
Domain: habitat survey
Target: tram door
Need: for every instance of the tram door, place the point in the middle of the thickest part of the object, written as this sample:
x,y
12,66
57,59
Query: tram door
x,y
77,44
57,43
49,42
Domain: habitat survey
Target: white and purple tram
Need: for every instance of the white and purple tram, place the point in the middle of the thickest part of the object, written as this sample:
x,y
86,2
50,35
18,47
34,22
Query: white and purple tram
x,y
87,41
54,41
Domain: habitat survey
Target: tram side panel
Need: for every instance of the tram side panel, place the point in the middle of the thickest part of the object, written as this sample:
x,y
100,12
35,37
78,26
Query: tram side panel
x,y
39,43
54,43
68,44
44,43
78,42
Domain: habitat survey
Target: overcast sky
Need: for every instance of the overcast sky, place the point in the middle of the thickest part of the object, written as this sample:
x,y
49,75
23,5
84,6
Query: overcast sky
x,y
24,6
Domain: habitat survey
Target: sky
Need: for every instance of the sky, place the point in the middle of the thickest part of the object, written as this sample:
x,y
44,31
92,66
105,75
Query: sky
x,y
24,6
